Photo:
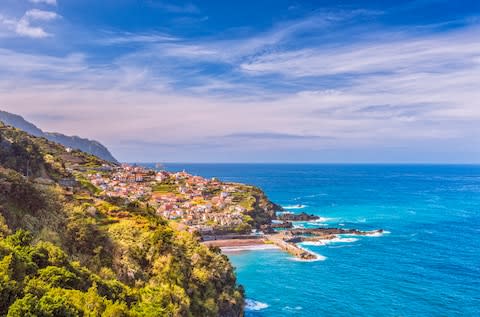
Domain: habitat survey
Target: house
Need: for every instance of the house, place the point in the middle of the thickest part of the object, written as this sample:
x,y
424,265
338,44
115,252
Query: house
x,y
162,176
223,195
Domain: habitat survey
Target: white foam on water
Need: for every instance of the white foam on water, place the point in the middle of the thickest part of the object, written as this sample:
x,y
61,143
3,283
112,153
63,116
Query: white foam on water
x,y
329,241
253,305
294,207
292,309
323,219
376,233
319,258
316,224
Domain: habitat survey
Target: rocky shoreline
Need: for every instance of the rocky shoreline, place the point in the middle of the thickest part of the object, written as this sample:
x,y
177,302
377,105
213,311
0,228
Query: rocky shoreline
x,y
289,216
317,234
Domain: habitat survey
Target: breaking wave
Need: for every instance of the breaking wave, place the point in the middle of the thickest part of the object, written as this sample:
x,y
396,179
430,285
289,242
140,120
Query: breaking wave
x,y
330,241
377,234
294,207
253,305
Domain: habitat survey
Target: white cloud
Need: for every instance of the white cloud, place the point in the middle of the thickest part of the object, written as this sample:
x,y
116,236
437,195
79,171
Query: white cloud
x,y
49,2
7,26
41,15
29,24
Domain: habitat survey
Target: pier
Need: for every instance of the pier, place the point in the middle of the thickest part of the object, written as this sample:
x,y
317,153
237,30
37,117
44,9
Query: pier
x,y
290,247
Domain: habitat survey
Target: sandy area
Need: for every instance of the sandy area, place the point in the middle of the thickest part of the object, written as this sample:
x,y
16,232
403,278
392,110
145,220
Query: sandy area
x,y
235,242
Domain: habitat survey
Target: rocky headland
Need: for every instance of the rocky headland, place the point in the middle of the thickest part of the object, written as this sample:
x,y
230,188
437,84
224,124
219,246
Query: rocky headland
x,y
288,216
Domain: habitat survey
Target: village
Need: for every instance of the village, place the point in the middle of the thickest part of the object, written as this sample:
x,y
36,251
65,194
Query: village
x,y
204,205
222,213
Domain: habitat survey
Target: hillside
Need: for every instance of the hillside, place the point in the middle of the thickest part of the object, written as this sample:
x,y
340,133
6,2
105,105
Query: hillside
x,y
68,250
74,142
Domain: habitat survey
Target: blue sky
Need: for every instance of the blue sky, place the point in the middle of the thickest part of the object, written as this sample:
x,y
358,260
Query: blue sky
x,y
249,81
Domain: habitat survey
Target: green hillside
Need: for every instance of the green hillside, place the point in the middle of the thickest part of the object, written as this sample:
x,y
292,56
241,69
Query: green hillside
x,y
68,252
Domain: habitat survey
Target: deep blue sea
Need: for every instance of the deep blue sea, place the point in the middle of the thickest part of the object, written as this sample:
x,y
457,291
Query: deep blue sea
x,y
427,265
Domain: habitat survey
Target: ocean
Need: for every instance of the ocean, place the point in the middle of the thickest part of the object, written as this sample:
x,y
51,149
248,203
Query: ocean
x,y
427,263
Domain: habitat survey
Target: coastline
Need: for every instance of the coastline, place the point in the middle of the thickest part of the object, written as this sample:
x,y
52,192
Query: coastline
x,y
288,241
267,242
291,286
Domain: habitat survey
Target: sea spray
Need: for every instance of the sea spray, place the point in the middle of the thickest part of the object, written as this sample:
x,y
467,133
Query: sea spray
x,y
329,241
295,207
253,305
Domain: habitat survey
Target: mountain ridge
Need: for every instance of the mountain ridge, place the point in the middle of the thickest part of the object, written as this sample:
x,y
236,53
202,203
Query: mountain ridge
x,y
75,142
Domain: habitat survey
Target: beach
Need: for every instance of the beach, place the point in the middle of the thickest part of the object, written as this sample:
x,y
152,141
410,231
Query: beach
x,y
224,243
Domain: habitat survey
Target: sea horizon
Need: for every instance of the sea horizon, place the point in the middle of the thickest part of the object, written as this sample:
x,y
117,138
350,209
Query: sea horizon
x,y
306,163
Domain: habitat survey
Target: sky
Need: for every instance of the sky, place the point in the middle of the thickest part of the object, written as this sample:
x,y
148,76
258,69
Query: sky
x,y
249,81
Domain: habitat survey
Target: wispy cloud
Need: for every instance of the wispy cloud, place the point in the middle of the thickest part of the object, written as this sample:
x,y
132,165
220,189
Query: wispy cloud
x,y
293,87
274,136
174,8
235,48
110,38
41,15
49,2
13,63
437,53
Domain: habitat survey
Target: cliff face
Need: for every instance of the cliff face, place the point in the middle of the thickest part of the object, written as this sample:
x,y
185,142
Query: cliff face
x,y
259,209
264,210
74,142
68,252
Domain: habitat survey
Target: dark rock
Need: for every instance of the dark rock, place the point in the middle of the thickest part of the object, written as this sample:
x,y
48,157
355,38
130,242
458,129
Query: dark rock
x,y
297,217
283,225
330,231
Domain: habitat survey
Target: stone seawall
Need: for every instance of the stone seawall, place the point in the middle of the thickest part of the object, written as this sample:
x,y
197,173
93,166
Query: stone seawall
x,y
292,248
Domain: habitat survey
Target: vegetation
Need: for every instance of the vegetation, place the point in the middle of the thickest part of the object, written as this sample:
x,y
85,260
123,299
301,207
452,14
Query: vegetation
x,y
80,255
259,209
165,188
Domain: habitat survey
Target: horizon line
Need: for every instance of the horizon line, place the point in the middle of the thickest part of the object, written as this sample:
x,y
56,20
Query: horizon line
x,y
311,163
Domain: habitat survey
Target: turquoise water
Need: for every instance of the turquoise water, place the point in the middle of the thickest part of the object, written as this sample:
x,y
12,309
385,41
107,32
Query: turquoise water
x,y
428,265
